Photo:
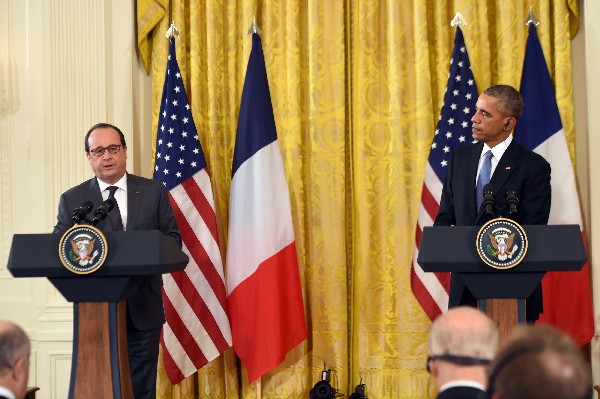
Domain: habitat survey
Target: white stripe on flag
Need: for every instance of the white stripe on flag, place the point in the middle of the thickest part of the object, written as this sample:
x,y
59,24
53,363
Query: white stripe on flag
x,y
255,215
431,283
198,225
433,183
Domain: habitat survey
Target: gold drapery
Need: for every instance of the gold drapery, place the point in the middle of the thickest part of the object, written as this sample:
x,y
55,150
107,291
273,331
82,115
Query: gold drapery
x,y
356,88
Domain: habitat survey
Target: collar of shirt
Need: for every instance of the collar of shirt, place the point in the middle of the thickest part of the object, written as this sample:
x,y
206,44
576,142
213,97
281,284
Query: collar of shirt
x,y
122,184
120,196
498,151
462,383
7,393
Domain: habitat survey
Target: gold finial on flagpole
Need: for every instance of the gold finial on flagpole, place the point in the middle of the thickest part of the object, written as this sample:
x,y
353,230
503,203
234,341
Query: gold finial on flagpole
x,y
531,19
254,28
458,20
172,31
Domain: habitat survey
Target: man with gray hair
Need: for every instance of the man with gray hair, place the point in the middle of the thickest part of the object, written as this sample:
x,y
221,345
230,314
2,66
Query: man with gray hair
x,y
14,361
462,343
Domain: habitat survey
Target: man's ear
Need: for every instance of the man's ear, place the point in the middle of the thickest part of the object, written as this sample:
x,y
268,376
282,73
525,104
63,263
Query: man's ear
x,y
510,123
20,369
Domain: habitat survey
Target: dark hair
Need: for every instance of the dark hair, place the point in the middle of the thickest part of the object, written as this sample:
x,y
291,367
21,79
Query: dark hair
x,y
510,101
103,126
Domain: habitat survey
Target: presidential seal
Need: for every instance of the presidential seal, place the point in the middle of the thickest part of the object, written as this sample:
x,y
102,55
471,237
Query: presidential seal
x,y
501,243
82,249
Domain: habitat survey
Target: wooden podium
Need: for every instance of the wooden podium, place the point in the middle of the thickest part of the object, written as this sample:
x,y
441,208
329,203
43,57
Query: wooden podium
x,y
501,293
100,365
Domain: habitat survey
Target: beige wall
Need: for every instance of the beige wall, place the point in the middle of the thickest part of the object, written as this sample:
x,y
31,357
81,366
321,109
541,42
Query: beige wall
x,y
67,64
587,84
64,65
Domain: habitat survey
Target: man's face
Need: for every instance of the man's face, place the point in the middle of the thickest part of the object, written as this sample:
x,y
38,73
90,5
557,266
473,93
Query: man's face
x,y
489,125
108,167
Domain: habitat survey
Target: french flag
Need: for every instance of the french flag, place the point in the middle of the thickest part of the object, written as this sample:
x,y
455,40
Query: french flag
x,y
263,281
567,295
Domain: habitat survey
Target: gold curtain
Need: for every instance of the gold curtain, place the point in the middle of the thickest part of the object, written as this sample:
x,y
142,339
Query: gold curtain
x,y
356,88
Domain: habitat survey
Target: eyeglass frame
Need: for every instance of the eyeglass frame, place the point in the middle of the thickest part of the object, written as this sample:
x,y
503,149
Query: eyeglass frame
x,y
456,359
112,149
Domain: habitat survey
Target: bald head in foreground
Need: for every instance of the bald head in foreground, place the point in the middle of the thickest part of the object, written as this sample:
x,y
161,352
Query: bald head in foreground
x,y
540,362
14,360
462,343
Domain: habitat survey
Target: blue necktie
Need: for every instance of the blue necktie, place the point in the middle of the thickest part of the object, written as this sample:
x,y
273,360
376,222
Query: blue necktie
x,y
484,177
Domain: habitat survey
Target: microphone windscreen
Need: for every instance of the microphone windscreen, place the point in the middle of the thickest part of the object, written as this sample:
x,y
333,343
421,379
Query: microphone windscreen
x,y
87,206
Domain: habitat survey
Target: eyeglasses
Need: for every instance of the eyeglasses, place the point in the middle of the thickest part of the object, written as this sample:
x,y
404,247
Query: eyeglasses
x,y
112,149
462,360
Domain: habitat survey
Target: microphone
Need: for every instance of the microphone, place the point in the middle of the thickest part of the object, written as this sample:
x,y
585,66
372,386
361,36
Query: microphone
x,y
102,211
488,200
512,200
80,212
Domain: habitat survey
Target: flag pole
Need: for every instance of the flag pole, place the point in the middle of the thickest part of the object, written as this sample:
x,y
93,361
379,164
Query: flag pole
x,y
255,29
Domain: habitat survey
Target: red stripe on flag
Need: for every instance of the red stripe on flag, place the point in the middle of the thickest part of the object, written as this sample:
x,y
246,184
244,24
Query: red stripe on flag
x,y
429,203
418,235
423,297
203,206
185,338
274,317
187,287
171,368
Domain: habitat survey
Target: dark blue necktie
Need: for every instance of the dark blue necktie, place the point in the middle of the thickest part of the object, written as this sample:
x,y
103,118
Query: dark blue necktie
x,y
115,214
484,177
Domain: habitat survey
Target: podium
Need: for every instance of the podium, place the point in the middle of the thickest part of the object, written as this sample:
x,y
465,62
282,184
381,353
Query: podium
x,y
100,365
502,293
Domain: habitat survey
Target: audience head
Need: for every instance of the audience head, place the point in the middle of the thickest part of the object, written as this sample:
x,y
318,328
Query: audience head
x,y
462,342
14,358
539,362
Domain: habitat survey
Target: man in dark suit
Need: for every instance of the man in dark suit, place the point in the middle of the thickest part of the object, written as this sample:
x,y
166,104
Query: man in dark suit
x,y
142,204
14,361
462,342
507,166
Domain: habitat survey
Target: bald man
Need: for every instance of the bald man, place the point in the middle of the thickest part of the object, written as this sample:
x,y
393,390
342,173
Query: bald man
x,y
462,343
14,361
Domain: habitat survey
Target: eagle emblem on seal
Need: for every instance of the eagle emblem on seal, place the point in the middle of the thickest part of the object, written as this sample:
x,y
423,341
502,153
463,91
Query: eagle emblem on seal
x,y
502,243
83,246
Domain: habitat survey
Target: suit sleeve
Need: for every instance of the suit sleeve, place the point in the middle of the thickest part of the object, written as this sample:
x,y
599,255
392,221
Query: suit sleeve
x,y
536,195
446,215
63,219
166,216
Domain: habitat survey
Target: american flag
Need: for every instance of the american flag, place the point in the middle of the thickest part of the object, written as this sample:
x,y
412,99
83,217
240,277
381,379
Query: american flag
x,y
453,131
197,328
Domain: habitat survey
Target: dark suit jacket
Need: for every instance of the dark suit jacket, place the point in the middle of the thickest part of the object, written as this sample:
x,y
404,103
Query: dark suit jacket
x,y
520,168
148,208
460,393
